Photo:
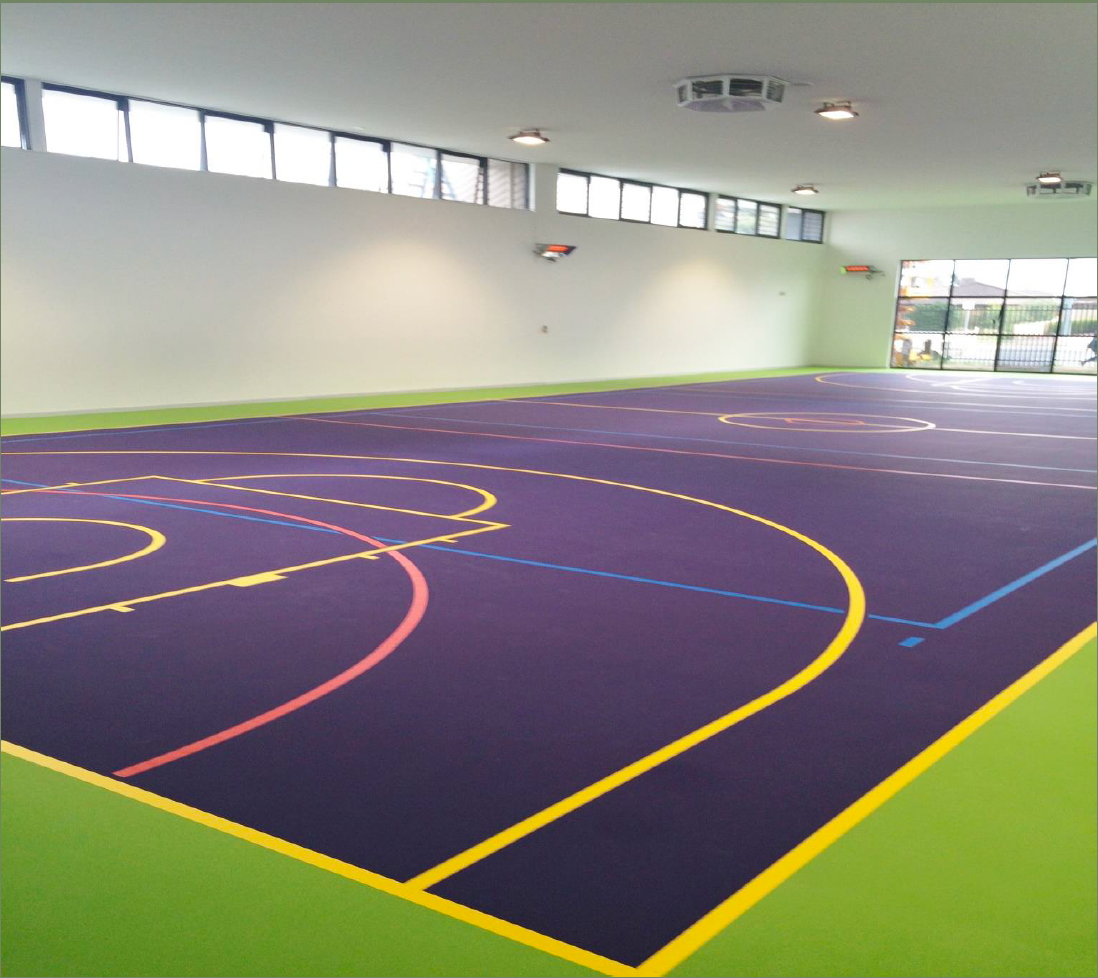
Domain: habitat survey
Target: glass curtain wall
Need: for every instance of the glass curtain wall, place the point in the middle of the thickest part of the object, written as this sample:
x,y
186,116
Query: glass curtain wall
x,y
1029,314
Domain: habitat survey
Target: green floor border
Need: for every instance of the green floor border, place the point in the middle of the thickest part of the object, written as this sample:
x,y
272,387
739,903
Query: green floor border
x,y
47,424
145,417
984,865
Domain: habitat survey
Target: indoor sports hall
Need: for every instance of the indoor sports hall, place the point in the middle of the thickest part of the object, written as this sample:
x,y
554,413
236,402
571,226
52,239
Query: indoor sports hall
x,y
548,489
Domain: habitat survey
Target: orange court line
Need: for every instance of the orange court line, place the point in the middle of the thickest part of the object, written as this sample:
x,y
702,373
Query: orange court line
x,y
619,407
239,580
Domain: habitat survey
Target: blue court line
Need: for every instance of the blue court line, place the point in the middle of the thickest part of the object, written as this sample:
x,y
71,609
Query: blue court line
x,y
944,623
1006,589
141,431
723,441
193,509
910,643
513,560
649,580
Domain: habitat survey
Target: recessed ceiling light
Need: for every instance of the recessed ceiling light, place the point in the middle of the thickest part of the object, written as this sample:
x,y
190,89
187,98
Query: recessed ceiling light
x,y
836,110
805,189
1049,178
529,137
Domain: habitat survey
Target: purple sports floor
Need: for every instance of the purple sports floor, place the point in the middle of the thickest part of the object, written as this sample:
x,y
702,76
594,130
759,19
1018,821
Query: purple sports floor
x,y
726,610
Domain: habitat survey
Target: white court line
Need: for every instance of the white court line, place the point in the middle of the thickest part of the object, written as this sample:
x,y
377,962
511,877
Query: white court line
x,y
955,383
940,405
1018,434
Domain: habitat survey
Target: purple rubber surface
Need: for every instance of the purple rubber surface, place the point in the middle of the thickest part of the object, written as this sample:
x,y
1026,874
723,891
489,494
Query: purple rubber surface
x,y
599,625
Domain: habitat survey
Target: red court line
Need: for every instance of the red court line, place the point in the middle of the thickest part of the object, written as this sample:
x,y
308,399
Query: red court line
x,y
411,619
683,451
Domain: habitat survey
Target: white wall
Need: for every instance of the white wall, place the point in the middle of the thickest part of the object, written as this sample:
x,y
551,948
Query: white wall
x,y
854,319
131,286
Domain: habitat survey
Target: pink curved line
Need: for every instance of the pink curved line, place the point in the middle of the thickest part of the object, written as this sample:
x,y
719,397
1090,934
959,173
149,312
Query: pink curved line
x,y
411,619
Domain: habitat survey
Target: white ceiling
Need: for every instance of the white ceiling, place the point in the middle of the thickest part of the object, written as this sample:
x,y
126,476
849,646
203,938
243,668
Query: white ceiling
x,y
961,103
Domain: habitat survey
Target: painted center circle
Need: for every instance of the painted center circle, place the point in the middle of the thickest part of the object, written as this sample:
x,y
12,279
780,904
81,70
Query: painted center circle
x,y
830,422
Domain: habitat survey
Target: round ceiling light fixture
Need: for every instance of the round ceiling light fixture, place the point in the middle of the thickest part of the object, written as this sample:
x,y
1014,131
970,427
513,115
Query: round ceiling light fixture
x,y
805,189
1050,178
836,111
529,137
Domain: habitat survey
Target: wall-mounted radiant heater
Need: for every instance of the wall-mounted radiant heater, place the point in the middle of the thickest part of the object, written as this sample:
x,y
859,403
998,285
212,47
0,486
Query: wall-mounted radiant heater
x,y
867,270
551,252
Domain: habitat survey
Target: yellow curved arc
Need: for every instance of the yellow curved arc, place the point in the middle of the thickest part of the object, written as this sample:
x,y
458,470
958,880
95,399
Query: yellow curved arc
x,y
852,622
918,424
489,499
156,541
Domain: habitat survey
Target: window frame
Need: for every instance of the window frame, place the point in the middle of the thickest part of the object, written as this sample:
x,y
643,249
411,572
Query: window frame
x,y
268,127
759,204
438,169
274,152
999,335
823,225
171,105
386,148
586,197
482,175
622,181
386,144
526,183
121,102
20,87
705,195
646,186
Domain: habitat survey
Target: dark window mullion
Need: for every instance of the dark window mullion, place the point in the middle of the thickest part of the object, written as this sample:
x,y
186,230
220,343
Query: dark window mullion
x,y
20,89
1002,319
203,160
124,107
269,129
945,322
1056,334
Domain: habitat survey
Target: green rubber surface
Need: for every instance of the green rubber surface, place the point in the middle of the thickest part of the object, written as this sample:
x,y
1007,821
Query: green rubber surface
x,y
318,405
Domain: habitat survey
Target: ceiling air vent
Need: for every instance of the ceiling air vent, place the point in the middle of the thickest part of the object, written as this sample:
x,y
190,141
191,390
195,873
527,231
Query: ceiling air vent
x,y
730,93
1059,191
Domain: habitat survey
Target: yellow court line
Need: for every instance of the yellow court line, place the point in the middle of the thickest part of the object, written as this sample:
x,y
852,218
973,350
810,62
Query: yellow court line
x,y
700,933
835,648
245,580
157,540
697,935
475,918
488,503
75,485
